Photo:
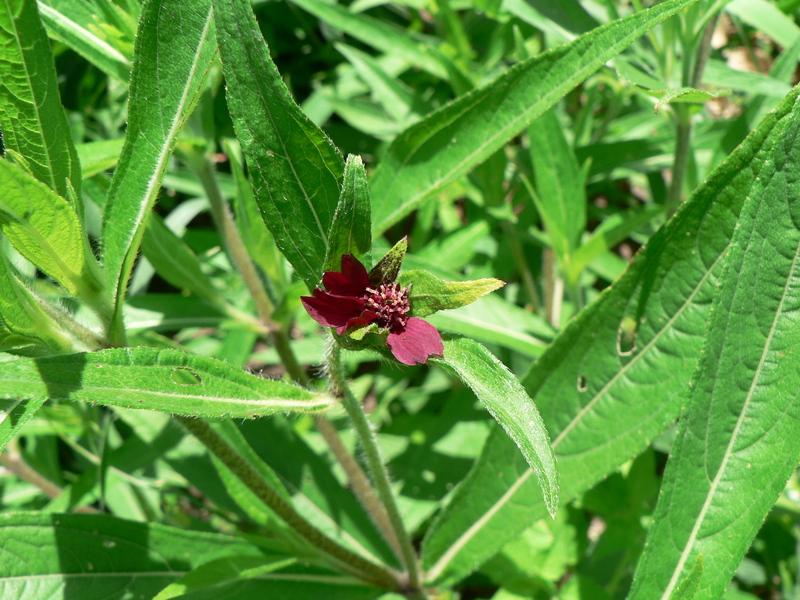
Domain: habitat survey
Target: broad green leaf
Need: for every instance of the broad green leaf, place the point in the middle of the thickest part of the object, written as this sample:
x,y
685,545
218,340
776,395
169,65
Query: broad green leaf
x,y
350,229
165,380
256,237
173,53
508,402
97,157
31,116
738,443
429,294
605,396
296,170
560,197
45,229
98,557
64,24
378,34
177,263
14,413
449,142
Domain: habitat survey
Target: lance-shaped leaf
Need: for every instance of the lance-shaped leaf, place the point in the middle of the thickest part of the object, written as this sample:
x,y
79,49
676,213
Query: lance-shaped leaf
x,y
449,142
45,554
31,115
296,170
14,412
738,442
172,55
605,396
164,380
350,230
508,402
429,294
45,229
73,24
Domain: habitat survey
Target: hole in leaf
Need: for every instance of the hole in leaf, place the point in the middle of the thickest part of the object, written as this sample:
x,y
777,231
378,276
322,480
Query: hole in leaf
x,y
184,376
626,336
583,383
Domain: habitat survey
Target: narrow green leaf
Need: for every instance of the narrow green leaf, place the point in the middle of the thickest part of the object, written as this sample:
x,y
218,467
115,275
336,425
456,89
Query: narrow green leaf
x,y
505,398
256,237
22,315
177,263
296,170
451,141
429,294
768,18
221,571
68,29
388,267
31,116
45,229
97,157
378,34
43,555
14,413
738,443
164,380
350,230
685,94
560,198
589,387
173,52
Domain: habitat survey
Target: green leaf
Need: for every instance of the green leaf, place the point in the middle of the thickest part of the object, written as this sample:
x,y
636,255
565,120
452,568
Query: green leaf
x,y
560,199
97,157
388,267
174,261
350,230
685,95
768,18
173,53
22,315
589,387
505,398
64,23
738,443
14,413
256,237
164,380
45,229
378,34
462,134
99,556
429,294
296,170
33,120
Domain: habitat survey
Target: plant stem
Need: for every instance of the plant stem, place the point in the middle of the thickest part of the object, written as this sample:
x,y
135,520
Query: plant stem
x,y
359,483
350,561
371,450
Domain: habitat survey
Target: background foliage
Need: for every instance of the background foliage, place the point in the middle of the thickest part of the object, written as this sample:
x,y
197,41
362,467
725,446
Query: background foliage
x,y
172,186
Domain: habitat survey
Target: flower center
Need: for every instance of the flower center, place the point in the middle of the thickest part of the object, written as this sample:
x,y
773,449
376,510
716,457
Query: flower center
x,y
390,302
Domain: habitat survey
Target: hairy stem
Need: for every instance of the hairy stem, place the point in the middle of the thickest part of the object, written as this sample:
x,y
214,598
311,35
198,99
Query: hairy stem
x,y
348,560
372,452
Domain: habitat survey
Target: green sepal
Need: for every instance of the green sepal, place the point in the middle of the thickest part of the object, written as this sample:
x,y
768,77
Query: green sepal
x,y
429,294
388,267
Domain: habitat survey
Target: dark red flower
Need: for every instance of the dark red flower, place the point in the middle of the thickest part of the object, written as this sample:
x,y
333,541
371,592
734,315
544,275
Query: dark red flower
x,y
350,302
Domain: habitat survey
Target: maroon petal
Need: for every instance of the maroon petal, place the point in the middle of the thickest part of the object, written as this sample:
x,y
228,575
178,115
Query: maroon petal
x,y
355,272
416,342
332,311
